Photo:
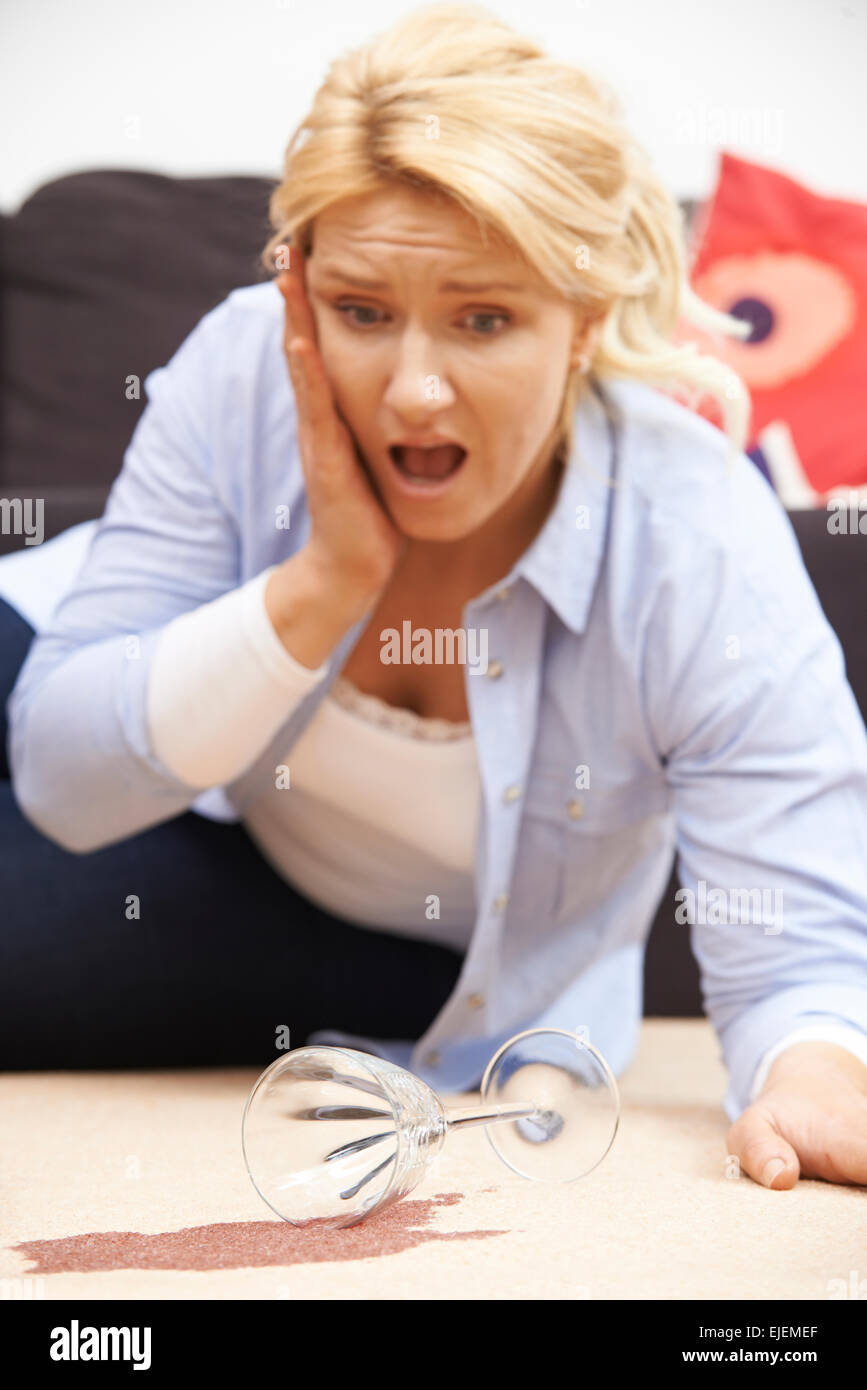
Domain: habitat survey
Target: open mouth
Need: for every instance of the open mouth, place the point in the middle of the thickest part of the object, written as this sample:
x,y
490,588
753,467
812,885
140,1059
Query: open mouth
x,y
431,464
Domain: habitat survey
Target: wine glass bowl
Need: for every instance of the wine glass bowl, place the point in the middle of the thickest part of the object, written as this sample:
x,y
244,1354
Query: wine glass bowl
x,y
331,1135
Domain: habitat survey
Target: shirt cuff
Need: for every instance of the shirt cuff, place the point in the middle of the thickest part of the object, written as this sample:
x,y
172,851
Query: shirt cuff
x,y
747,1035
853,1039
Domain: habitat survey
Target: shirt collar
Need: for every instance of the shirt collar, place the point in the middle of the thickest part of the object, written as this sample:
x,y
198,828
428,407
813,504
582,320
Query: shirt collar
x,y
563,560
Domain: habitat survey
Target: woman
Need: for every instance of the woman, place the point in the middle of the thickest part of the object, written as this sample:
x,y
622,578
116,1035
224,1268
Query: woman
x,y
473,469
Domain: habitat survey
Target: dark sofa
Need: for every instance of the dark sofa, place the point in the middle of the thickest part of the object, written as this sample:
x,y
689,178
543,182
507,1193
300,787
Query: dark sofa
x,y
104,274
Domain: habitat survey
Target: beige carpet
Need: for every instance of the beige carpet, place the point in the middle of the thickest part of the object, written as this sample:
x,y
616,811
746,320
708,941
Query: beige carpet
x,y
133,1185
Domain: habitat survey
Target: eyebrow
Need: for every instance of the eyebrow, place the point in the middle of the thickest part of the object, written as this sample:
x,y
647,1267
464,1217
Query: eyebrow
x,y
447,286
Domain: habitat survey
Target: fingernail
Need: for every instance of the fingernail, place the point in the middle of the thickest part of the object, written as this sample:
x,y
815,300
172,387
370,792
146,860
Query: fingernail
x,y
771,1169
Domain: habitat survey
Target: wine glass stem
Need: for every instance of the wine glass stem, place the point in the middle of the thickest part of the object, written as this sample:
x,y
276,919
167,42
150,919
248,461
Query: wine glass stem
x,y
488,1114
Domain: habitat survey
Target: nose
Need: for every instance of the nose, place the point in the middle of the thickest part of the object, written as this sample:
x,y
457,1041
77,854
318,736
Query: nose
x,y
419,381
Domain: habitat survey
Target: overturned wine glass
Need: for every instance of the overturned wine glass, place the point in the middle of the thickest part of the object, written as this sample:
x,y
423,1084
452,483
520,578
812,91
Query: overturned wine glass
x,y
331,1135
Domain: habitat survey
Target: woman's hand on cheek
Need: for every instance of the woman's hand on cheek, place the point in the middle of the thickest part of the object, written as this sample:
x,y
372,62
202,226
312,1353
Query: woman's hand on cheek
x,y
812,1114
352,535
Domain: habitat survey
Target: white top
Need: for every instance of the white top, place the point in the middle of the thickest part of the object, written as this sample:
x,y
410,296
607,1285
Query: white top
x,y
377,819
374,813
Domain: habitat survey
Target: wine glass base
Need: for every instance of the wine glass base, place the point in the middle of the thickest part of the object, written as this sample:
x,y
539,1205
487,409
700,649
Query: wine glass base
x,y
577,1104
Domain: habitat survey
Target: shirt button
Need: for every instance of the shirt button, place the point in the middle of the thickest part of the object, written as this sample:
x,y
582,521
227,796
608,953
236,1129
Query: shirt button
x,y
433,1059
476,1001
495,669
500,902
512,793
575,808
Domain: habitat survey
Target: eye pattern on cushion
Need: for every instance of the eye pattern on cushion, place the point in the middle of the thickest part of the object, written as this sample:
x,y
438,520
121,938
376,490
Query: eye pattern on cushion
x,y
800,309
793,265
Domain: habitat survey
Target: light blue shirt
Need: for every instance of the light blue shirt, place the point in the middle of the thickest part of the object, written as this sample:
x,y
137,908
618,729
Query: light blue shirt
x,y
661,679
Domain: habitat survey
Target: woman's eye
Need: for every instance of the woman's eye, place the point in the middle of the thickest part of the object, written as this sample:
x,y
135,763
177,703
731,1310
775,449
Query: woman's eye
x,y
482,315
356,308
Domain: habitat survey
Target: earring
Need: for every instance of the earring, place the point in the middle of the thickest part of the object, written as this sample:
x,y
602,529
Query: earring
x,y
583,362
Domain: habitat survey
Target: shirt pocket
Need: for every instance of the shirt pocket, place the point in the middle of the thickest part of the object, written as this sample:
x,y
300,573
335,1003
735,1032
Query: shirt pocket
x,y
603,834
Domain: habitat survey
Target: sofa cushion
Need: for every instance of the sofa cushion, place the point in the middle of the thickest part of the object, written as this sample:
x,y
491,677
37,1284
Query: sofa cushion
x,y
106,272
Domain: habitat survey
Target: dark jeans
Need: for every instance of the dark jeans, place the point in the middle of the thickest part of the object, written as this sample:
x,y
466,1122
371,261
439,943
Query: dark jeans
x,y
224,953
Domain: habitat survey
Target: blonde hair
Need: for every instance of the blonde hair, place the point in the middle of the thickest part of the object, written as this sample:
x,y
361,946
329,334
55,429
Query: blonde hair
x,y
453,101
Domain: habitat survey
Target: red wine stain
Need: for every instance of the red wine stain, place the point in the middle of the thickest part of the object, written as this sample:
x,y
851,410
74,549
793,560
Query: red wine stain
x,y
247,1244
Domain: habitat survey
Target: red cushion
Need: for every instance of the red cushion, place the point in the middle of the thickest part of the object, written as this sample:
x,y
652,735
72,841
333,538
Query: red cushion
x,y
795,265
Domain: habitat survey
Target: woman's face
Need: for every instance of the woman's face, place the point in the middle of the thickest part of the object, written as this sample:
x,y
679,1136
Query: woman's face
x,y
483,362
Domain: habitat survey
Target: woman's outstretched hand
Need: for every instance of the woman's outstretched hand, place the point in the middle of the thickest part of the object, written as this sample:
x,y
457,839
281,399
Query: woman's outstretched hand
x,y
352,537
812,1114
